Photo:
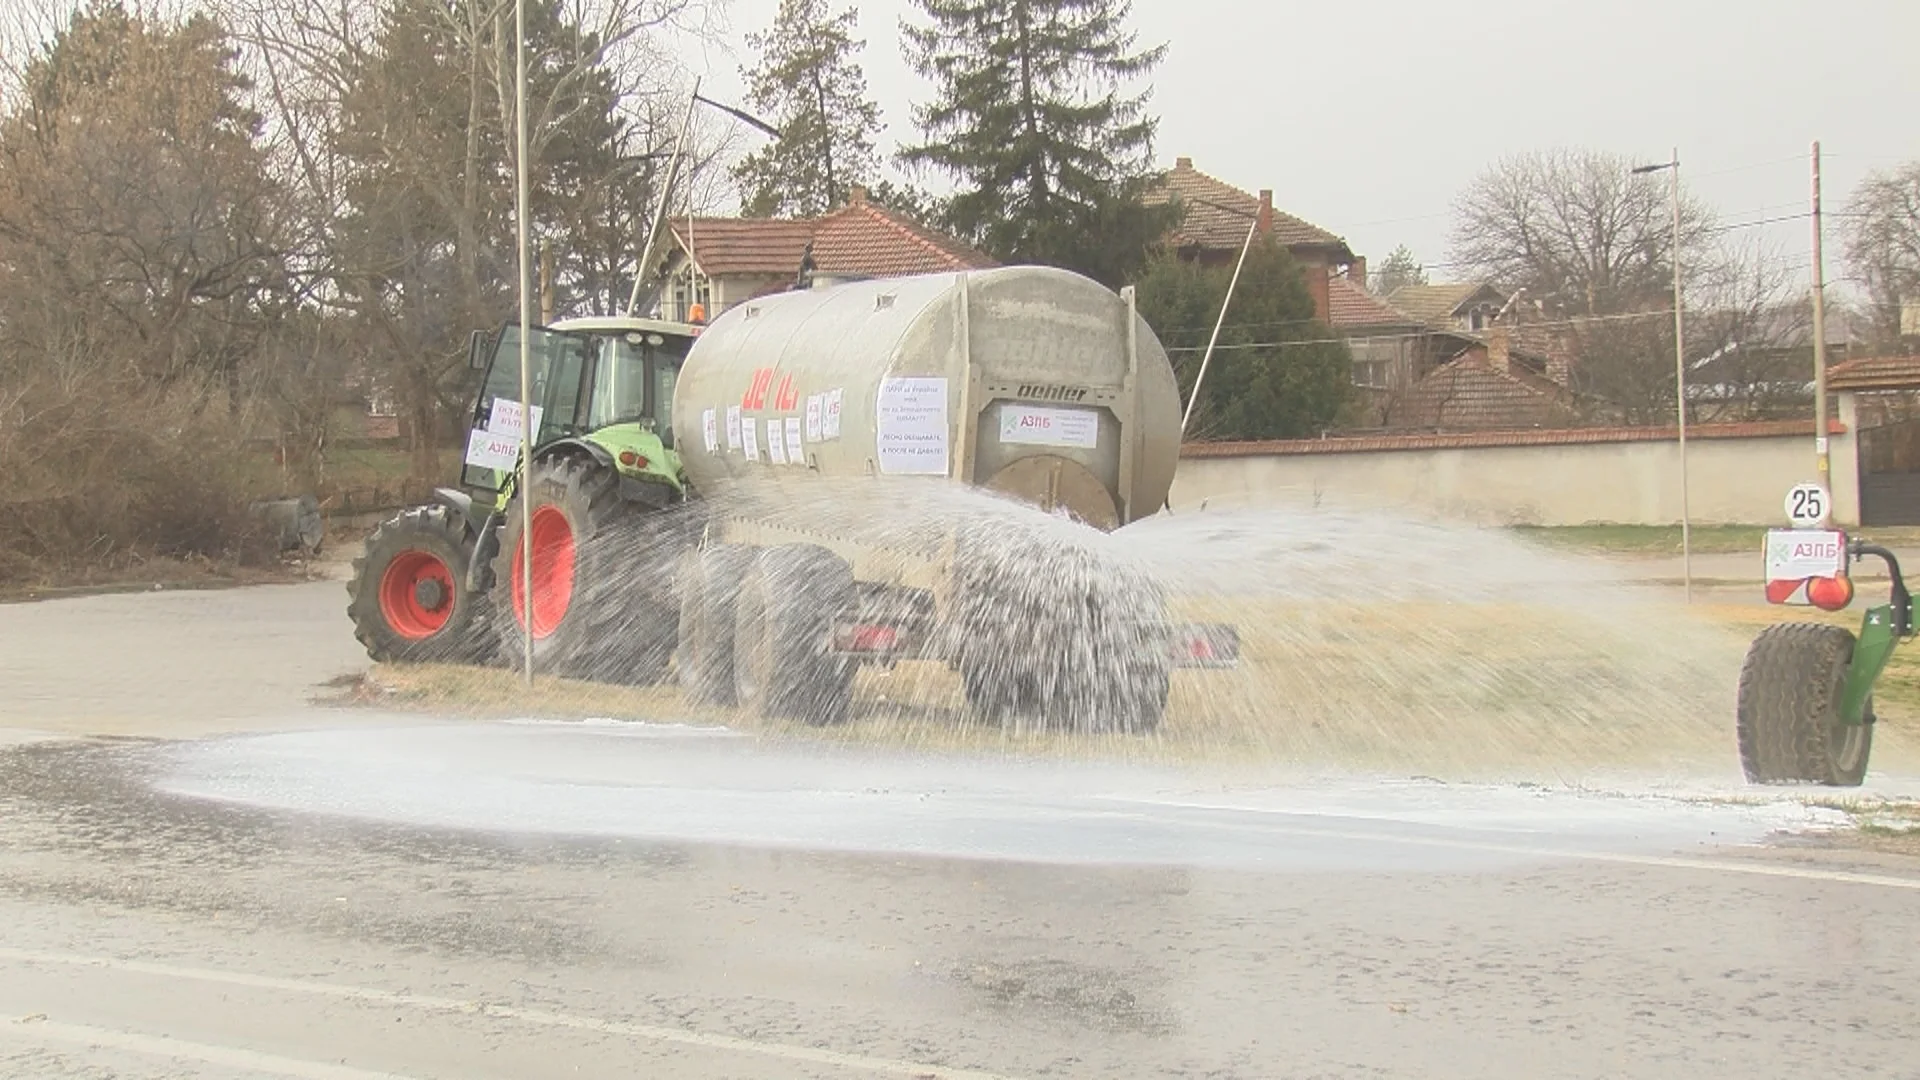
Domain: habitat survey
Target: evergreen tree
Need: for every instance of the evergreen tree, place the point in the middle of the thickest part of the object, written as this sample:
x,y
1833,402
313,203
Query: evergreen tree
x,y
809,81
1274,374
1031,119
1400,268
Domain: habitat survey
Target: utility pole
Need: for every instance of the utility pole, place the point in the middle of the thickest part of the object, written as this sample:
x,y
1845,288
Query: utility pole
x,y
1822,462
522,199
1679,371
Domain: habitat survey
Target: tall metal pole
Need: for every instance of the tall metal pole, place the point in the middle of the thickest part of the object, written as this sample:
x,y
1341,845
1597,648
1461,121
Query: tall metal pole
x,y
1822,462
1207,357
522,198
666,193
1680,385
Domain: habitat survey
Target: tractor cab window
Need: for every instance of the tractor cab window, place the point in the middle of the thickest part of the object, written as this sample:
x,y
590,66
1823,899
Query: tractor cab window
x,y
555,369
634,381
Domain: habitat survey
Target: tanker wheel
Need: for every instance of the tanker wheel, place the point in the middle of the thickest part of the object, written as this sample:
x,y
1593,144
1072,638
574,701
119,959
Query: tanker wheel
x,y
408,596
1788,717
784,666
593,616
709,581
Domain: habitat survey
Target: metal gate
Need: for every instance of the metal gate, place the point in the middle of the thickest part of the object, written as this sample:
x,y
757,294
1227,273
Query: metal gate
x,y
1890,473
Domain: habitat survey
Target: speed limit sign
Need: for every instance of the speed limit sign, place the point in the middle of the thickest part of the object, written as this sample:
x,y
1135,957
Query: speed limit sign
x,y
1808,505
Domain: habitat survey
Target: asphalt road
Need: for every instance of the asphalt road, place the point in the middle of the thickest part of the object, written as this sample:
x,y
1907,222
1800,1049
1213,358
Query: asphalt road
x,y
236,883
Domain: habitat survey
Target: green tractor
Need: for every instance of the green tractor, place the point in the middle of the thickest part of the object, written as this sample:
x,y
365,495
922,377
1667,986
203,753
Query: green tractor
x,y
445,582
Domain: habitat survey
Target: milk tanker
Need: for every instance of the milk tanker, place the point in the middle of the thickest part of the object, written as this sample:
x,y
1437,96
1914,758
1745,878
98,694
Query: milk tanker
x,y
722,495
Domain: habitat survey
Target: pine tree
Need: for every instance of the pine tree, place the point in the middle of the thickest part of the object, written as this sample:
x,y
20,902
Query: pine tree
x,y
1030,117
1278,376
810,82
1400,268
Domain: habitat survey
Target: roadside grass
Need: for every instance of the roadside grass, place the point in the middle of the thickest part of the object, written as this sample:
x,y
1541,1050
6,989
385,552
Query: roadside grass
x,y
1664,540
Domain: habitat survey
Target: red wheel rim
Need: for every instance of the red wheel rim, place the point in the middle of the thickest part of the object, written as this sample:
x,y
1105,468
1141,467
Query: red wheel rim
x,y
400,603
553,561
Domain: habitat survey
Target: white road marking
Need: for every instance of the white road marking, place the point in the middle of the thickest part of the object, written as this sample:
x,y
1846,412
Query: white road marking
x,y
249,1061
542,1018
1673,862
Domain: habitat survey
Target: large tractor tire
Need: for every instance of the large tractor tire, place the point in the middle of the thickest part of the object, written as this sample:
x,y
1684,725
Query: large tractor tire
x,y
784,666
1788,715
710,579
602,606
408,596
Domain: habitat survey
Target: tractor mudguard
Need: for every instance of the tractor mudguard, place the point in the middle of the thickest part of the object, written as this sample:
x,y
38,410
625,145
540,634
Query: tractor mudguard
x,y
480,570
1878,636
457,501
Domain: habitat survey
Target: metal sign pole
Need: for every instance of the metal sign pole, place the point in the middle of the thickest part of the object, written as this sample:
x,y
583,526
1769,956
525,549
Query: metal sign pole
x,y
521,200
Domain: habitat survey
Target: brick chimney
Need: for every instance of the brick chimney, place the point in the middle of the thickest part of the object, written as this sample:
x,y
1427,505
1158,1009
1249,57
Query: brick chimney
x,y
1266,210
1319,284
1357,271
856,196
1183,163
1499,350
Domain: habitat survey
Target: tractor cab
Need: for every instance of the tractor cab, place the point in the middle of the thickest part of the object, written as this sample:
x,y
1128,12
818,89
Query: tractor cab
x,y
605,383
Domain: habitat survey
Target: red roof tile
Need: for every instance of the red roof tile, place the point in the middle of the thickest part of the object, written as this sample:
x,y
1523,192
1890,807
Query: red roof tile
x,y
1471,393
1351,307
1876,373
1216,214
859,238
1468,440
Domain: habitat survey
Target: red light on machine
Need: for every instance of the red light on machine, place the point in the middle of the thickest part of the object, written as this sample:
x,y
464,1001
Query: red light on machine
x,y
1830,593
632,460
862,638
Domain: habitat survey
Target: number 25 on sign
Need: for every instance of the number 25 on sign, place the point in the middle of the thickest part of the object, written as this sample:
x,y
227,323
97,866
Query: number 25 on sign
x,y
1808,504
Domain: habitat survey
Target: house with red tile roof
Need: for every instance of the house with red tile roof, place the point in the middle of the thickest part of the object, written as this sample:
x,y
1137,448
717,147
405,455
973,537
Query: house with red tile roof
x,y
1435,357
721,262
1213,225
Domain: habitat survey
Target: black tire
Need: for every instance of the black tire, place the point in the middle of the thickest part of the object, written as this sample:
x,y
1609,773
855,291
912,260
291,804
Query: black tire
x,y
604,608
784,666
1053,638
710,579
408,595
1788,715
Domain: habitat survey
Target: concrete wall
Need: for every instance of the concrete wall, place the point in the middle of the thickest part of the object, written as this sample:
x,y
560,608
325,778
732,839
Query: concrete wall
x,y
1731,479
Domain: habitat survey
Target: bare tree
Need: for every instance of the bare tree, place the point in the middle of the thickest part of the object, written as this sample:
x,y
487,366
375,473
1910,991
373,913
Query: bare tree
x,y
1882,233
1578,230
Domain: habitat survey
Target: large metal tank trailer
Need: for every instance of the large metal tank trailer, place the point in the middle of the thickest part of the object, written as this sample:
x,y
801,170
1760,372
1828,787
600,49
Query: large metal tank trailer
x,y
671,463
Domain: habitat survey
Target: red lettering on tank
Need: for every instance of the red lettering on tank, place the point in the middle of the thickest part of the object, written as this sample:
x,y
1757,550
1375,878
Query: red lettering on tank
x,y
789,395
756,394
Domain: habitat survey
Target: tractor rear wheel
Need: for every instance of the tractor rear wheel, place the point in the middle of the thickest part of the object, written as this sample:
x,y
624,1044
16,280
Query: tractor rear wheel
x,y
1788,716
596,614
710,578
408,596
784,666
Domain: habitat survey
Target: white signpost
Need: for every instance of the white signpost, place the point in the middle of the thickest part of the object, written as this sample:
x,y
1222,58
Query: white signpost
x,y
1808,505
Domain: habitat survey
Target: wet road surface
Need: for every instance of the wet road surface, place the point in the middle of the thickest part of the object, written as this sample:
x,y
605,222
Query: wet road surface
x,y
374,896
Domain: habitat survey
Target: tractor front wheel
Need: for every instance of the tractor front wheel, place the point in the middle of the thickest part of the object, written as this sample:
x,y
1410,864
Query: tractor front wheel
x,y
1788,716
408,595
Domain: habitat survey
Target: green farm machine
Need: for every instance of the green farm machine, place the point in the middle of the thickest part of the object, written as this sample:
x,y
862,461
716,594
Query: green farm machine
x,y
1035,383
1805,708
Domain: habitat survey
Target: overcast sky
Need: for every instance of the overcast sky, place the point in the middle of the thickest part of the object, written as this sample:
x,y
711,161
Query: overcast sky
x,y
1368,118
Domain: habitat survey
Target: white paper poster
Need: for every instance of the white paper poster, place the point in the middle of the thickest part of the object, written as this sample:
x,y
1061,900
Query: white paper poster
x,y
490,451
505,418
795,454
830,414
776,447
733,427
910,426
710,430
1039,425
747,440
813,417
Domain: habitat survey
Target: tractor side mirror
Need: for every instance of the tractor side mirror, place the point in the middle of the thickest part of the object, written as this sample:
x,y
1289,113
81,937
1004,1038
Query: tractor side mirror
x,y
477,351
